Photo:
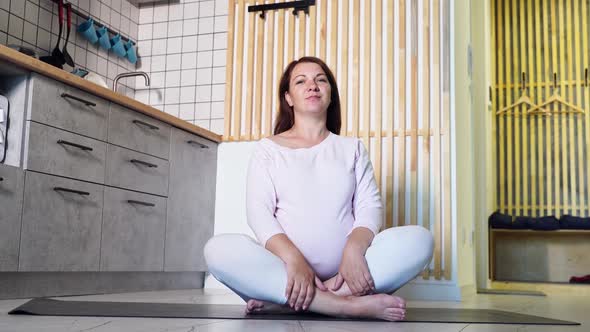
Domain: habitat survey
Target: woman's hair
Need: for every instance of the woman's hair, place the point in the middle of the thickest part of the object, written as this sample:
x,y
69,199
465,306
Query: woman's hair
x,y
286,118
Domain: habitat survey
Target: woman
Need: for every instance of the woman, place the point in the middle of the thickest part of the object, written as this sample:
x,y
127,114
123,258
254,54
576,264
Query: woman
x,y
314,205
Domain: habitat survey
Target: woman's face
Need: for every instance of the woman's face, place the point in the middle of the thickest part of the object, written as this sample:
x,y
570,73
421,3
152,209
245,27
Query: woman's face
x,y
309,89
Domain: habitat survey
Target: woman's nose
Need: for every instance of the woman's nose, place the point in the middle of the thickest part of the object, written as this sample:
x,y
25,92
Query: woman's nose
x,y
313,86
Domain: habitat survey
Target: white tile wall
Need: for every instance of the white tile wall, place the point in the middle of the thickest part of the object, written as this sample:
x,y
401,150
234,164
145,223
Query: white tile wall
x,y
34,24
183,46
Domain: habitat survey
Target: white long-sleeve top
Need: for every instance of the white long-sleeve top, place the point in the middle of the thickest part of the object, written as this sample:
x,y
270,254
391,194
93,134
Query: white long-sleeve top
x,y
316,196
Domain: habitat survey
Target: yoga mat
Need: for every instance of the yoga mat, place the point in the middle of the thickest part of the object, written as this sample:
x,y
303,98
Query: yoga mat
x,y
49,307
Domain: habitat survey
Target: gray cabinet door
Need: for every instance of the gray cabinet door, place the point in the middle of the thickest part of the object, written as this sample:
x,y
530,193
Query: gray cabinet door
x,y
138,132
136,171
61,224
191,201
54,151
133,231
11,199
68,108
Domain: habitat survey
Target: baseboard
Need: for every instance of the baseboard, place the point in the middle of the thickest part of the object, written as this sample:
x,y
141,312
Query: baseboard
x,y
422,291
43,284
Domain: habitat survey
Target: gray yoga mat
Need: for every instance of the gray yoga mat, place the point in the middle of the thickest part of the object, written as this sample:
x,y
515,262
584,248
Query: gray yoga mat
x,y
49,307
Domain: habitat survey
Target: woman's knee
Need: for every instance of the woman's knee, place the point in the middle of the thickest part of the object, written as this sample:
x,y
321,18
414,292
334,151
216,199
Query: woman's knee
x,y
221,250
423,242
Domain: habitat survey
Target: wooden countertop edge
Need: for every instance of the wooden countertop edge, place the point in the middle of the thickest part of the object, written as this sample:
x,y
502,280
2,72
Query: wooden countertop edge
x,y
32,64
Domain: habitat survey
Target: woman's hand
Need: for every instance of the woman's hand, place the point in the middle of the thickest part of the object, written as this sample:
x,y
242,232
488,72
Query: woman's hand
x,y
355,271
301,283
353,267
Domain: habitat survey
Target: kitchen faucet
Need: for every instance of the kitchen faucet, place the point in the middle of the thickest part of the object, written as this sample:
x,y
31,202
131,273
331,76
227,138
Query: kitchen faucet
x,y
130,74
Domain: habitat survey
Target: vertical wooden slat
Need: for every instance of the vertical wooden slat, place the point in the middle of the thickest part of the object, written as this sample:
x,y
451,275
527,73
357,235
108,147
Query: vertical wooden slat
x,y
540,120
302,19
258,70
520,121
367,82
291,38
436,125
401,157
501,103
378,89
580,77
269,85
323,27
312,30
239,72
548,120
570,95
446,152
510,54
586,133
492,115
250,73
557,117
426,119
532,120
355,67
561,75
414,115
229,66
344,72
389,106
333,35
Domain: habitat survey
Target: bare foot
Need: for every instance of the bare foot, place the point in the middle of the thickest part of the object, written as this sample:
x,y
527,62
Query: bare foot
x,y
262,307
381,306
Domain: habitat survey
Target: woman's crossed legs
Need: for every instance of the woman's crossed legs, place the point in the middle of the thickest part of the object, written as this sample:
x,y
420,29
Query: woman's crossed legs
x,y
396,256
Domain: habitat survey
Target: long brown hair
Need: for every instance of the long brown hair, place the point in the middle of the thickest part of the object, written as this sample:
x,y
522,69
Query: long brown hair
x,y
286,118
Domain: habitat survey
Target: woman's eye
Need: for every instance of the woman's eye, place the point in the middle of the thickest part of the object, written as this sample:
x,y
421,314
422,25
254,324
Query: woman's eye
x,y
323,80
298,82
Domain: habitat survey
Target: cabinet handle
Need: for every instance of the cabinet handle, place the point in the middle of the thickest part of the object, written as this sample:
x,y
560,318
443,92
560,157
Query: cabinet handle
x,y
149,125
85,102
202,146
140,203
145,163
83,193
1,179
82,147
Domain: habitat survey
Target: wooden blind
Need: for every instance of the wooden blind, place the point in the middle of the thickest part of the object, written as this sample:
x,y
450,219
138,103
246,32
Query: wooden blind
x,y
542,157
392,63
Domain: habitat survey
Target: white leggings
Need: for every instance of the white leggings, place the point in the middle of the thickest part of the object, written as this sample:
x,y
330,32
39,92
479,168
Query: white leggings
x,y
396,256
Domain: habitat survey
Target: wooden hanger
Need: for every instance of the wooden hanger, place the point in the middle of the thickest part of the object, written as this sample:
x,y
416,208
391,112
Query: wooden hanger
x,y
523,100
556,98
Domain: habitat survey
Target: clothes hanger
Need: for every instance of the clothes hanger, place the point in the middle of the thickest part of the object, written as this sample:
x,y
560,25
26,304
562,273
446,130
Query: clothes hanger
x,y
522,100
556,98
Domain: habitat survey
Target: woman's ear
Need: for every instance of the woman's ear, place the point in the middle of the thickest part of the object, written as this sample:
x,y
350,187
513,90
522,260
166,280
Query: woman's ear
x,y
288,99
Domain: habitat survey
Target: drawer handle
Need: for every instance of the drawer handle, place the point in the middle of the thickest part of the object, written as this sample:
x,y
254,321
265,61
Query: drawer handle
x,y
149,125
85,102
83,193
82,147
140,203
1,179
202,146
145,163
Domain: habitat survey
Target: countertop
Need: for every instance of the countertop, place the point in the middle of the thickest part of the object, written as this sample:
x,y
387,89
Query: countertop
x,y
32,64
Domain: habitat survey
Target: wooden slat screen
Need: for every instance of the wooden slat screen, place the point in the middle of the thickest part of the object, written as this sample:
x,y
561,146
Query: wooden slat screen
x,y
392,63
542,158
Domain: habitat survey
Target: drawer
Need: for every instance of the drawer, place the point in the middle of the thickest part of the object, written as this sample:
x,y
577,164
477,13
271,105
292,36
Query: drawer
x,y
133,231
54,151
61,224
11,200
138,132
68,108
136,171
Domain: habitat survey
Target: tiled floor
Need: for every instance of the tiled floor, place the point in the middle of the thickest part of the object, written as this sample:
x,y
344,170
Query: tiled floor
x,y
565,307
